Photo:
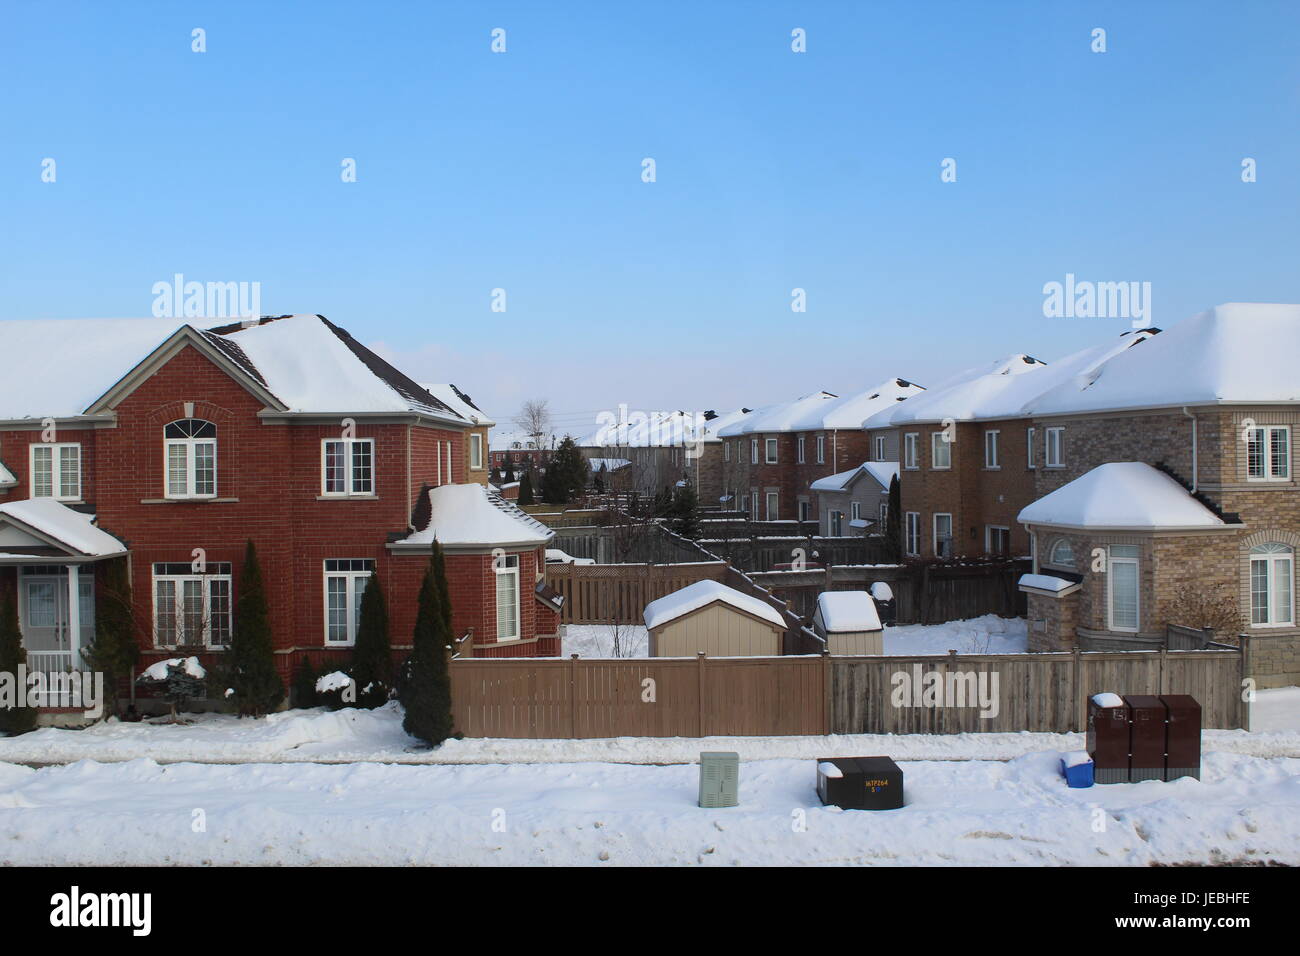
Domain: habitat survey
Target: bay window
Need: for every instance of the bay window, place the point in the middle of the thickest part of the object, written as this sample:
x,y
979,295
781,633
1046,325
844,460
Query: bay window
x,y
1123,581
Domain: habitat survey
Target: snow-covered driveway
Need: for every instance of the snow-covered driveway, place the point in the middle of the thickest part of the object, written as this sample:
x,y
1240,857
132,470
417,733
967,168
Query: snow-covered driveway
x,y
972,812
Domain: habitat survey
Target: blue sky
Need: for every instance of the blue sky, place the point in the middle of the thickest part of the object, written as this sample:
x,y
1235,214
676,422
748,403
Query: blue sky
x,y
775,170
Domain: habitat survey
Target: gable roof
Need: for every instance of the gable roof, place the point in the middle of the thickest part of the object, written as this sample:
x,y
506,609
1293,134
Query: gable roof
x,y
7,479
1238,352
880,471
294,364
470,516
701,594
1122,496
48,523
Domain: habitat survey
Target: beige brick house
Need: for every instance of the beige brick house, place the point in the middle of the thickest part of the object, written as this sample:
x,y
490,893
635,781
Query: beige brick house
x,y
1165,480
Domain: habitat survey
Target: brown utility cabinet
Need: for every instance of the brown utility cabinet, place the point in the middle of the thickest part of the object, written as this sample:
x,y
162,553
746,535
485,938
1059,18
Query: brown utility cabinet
x,y
1146,751
1182,736
1108,740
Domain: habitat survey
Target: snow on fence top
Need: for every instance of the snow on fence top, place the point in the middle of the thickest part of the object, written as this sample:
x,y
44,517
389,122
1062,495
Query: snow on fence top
x,y
701,594
1128,495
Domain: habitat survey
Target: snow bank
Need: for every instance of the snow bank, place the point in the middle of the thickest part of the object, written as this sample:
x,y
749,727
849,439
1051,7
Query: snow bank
x,y
975,813
189,665
335,680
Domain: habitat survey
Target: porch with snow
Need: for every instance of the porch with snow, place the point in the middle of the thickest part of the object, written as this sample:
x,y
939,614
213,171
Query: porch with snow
x,y
48,554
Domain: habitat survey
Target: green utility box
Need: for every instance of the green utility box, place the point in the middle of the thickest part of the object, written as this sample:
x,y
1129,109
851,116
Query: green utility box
x,y
719,778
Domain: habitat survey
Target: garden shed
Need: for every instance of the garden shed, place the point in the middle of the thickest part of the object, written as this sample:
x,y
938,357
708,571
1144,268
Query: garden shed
x,y
711,617
848,622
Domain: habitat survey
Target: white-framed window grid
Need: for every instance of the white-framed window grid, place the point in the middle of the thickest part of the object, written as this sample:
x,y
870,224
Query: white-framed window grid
x,y
192,607
347,467
56,471
190,458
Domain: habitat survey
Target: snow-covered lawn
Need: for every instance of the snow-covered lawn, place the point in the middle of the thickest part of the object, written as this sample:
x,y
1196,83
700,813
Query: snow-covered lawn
x,y
597,640
989,634
974,812
318,735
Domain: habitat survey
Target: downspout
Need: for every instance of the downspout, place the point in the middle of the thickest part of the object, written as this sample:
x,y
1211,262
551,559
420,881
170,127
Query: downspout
x,y
410,505
1193,418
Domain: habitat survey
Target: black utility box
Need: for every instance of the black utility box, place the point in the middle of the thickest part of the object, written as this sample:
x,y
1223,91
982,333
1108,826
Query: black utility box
x,y
1108,739
864,783
1182,736
1146,749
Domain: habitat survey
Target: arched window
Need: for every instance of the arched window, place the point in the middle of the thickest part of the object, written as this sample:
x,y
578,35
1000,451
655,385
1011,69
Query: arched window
x,y
191,458
1062,553
1272,603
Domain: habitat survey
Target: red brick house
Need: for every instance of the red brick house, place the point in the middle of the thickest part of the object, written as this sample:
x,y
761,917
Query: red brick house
x,y
181,444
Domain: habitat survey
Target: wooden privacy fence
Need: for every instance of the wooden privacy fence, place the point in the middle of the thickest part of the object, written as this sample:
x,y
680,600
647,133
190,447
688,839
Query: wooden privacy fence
x,y
642,697
606,593
773,696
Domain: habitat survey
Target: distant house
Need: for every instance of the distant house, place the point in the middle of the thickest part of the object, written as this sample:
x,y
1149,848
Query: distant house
x,y
848,622
856,501
711,617
772,456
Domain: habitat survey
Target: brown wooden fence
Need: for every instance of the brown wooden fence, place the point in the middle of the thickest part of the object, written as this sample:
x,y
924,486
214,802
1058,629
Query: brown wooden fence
x,y
775,696
604,593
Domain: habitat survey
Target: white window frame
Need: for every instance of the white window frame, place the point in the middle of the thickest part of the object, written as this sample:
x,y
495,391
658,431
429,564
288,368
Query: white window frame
x,y
821,449
753,451
993,461
475,451
772,501
352,606
937,441
1270,560
834,523
1031,433
1111,561
884,513
1055,546
934,528
912,533
57,475
800,450
350,489
507,566
1055,443
190,446
753,503
855,510
988,538
880,447
1263,436
206,580
911,456
805,509
726,451
769,451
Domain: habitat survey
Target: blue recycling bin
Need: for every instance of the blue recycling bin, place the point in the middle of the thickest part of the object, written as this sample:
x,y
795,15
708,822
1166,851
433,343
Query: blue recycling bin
x,y
1077,774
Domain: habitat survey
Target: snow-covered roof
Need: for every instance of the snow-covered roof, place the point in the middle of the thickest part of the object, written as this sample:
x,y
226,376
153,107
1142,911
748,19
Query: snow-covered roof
x,y
1121,495
803,414
1005,389
304,362
1236,352
701,594
7,479
1046,582
852,411
50,519
654,430
90,356
471,516
881,471
312,365
714,426
515,440
843,611
460,403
